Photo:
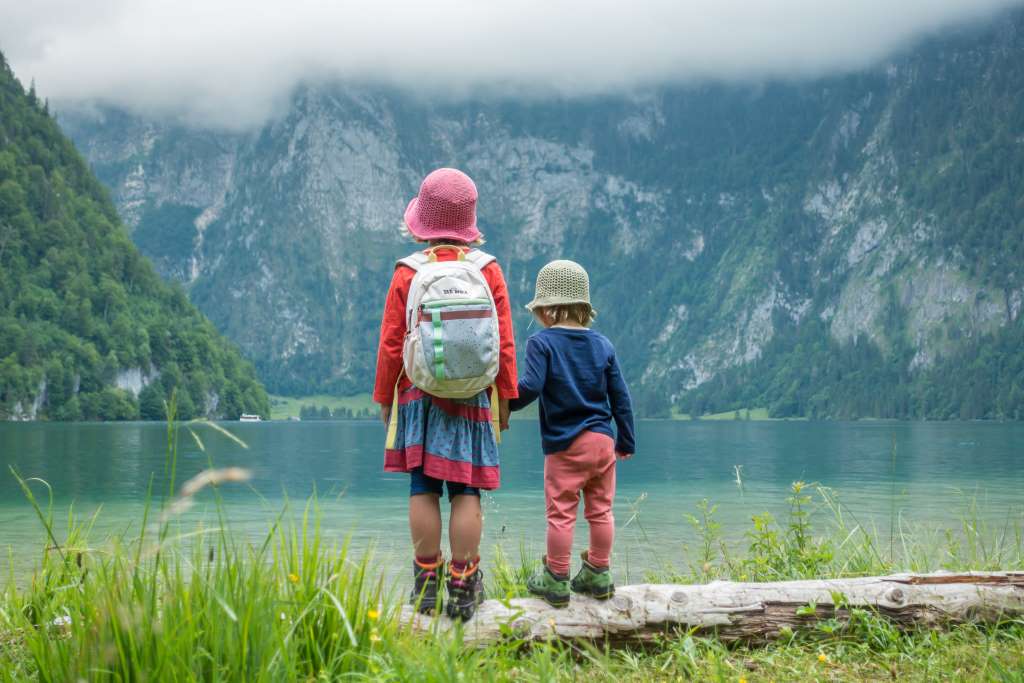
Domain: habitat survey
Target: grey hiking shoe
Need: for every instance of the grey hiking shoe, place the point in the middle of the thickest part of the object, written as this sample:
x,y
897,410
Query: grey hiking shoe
x,y
424,596
465,593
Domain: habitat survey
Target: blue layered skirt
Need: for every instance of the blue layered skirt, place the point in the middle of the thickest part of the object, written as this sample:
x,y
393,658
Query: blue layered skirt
x,y
452,439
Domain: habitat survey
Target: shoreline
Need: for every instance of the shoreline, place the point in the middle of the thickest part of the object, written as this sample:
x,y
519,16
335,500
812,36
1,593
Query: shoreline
x,y
714,418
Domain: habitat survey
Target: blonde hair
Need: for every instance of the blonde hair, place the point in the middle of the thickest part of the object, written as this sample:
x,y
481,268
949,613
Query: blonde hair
x,y
560,313
404,229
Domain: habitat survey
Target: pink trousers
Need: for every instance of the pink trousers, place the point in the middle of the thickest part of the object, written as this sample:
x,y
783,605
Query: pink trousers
x,y
587,467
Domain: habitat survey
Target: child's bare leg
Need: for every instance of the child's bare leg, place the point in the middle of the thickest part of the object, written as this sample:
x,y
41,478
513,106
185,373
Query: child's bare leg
x,y
464,528
425,524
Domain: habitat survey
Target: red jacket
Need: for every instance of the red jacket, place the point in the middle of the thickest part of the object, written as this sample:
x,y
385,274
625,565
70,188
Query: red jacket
x,y
392,332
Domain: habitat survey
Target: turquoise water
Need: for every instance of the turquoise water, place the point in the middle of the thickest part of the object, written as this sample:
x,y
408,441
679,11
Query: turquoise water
x,y
914,473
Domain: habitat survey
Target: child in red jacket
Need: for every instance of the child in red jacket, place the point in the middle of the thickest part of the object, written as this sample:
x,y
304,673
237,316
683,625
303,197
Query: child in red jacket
x,y
444,442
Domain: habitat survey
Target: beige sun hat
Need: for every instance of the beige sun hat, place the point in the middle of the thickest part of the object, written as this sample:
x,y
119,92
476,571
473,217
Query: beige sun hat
x,y
561,282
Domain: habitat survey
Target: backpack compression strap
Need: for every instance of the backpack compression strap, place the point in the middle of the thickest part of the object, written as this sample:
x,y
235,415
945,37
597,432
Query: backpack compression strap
x,y
496,413
392,435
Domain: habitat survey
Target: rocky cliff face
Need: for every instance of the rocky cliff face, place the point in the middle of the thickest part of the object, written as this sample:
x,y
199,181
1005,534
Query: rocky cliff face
x,y
708,217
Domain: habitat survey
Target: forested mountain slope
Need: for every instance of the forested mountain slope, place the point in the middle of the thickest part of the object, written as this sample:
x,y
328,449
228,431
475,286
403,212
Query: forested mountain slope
x,y
844,247
87,328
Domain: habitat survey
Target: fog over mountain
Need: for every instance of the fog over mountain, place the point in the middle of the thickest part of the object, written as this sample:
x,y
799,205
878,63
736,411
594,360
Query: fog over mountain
x,y
812,207
841,246
234,64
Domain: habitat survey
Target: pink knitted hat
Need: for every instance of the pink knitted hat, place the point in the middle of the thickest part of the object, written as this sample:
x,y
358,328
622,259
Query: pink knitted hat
x,y
445,207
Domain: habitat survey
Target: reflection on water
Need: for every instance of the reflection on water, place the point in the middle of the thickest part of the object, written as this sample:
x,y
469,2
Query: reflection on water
x,y
921,472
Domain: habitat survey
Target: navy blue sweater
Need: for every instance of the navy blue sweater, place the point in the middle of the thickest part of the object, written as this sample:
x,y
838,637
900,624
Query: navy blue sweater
x,y
576,376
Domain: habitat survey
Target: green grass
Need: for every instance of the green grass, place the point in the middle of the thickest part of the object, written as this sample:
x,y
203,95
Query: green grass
x,y
756,414
202,604
284,407
752,414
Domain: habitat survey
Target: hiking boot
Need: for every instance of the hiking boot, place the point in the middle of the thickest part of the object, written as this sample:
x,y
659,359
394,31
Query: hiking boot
x,y
424,595
593,581
553,588
465,592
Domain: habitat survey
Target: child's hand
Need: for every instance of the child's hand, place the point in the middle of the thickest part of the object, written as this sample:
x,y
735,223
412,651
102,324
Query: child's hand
x,y
503,413
385,414
623,456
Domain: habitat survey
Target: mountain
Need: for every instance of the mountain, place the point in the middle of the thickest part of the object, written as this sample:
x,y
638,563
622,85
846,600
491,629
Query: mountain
x,y
842,247
88,330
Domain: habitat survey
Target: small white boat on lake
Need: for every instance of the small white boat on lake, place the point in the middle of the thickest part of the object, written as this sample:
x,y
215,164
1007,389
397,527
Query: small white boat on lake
x,y
247,417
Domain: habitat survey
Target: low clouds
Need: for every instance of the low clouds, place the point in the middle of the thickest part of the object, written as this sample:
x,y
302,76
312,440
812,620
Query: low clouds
x,y
234,63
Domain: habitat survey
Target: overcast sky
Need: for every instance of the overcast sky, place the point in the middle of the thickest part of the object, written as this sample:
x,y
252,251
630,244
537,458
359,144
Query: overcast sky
x,y
234,62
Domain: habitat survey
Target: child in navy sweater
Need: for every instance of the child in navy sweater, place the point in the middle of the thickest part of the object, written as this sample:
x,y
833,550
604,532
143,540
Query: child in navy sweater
x,y
574,373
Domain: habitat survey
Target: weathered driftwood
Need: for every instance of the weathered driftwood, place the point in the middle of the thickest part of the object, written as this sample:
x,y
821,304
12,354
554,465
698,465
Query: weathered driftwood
x,y
745,611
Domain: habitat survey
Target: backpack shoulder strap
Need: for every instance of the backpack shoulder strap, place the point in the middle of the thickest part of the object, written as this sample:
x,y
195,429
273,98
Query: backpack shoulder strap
x,y
479,258
414,261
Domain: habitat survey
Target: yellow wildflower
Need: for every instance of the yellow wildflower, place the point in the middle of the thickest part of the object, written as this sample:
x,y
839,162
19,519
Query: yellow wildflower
x,y
822,658
294,578
743,680
373,615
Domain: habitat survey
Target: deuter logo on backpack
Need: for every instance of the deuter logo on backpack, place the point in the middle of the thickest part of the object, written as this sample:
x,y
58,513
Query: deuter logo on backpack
x,y
451,348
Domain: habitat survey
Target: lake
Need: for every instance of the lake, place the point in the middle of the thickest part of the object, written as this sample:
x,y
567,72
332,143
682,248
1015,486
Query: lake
x,y
917,474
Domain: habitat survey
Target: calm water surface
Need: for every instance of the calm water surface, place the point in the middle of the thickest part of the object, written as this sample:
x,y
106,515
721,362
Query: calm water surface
x,y
919,473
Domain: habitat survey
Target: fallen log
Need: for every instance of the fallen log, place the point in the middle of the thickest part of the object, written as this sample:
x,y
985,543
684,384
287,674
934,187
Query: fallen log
x,y
744,611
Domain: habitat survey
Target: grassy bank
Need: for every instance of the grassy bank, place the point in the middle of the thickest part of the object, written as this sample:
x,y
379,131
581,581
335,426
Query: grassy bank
x,y
285,407
750,414
180,604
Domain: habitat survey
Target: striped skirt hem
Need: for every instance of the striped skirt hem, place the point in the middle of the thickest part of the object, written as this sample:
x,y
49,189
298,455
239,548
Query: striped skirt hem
x,y
451,439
